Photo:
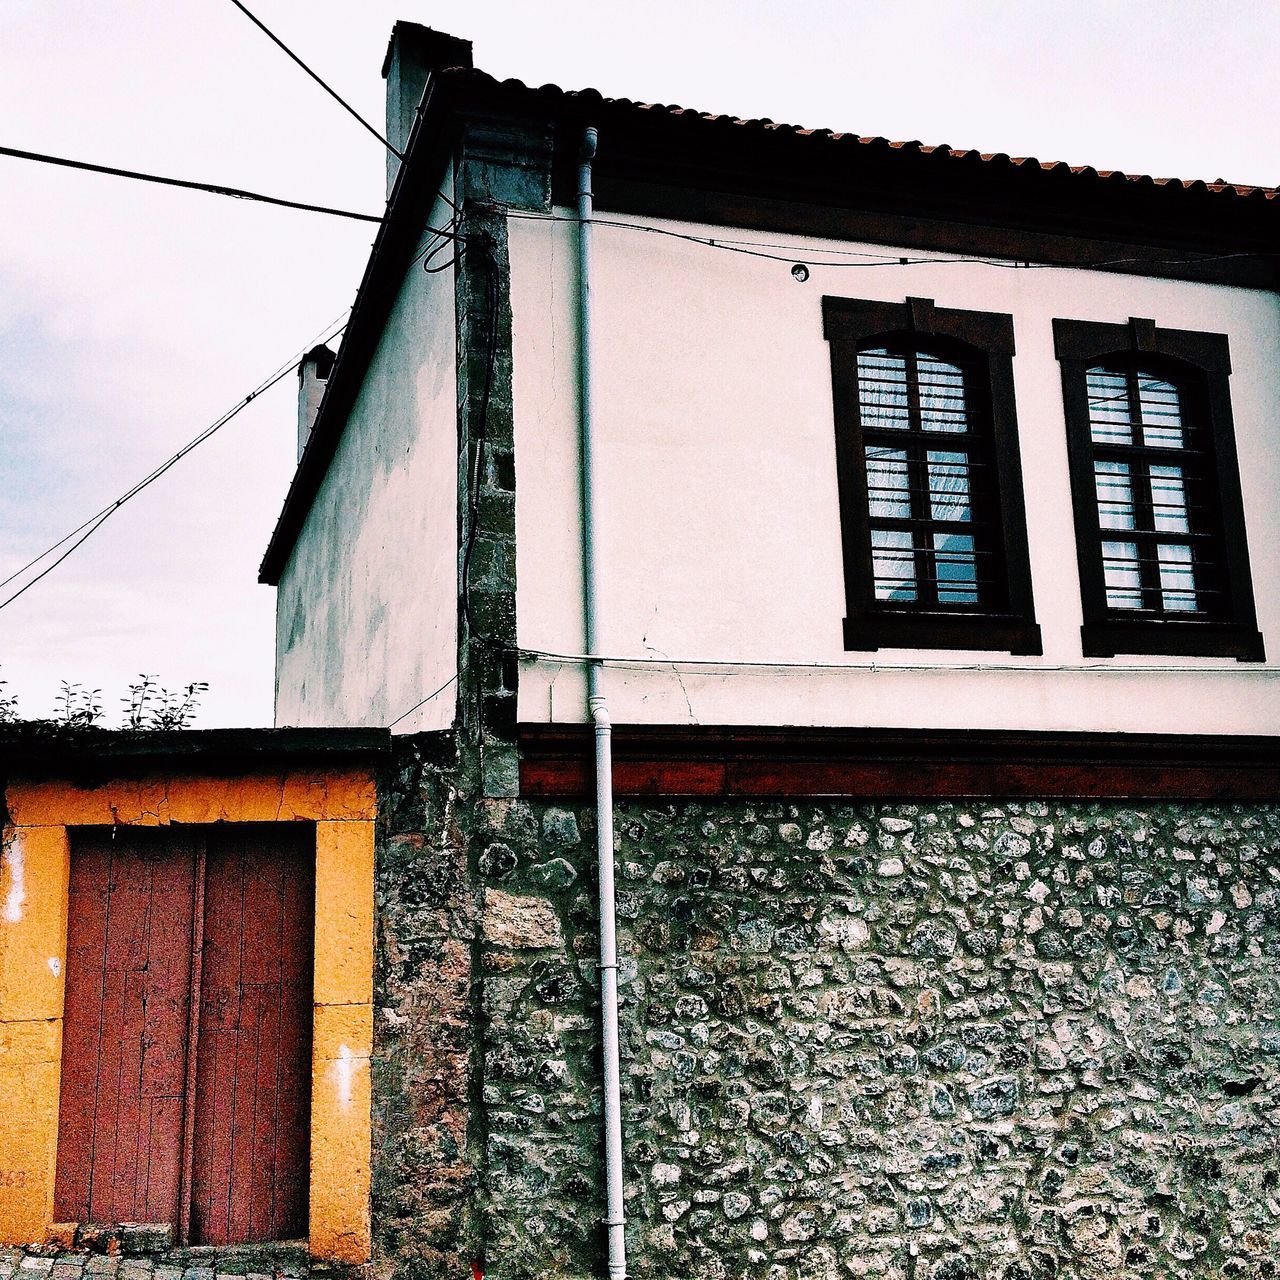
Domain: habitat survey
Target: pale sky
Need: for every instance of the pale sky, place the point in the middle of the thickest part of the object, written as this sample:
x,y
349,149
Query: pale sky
x,y
131,316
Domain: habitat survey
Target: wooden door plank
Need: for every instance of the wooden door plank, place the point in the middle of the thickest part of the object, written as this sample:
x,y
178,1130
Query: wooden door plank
x,y
192,1046
219,1020
124,1198
111,1199
253,1170
266,1122
244,1064
251,1167
85,975
164,1159
166,994
124,1025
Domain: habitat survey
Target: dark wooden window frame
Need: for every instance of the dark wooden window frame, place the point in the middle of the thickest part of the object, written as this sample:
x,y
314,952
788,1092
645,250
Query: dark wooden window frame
x,y
850,324
1202,364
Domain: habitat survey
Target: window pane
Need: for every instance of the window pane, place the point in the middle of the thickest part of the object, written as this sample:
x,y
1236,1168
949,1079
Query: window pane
x,y
1169,500
1161,413
1109,419
1177,579
882,390
888,485
957,568
1114,484
1120,572
894,564
949,485
942,400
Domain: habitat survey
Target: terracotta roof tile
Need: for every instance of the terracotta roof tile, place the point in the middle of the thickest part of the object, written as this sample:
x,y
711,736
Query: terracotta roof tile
x,y
554,93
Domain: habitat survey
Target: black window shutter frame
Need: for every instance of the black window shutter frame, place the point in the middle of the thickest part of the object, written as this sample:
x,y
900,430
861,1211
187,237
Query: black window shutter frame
x,y
986,338
1202,364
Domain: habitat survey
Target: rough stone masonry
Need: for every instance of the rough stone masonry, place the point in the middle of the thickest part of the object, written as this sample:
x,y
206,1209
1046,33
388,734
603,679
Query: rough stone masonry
x,y
937,1040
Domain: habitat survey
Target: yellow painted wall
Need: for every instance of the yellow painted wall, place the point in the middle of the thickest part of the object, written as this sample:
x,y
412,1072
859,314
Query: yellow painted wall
x,y
33,940
342,1041
34,877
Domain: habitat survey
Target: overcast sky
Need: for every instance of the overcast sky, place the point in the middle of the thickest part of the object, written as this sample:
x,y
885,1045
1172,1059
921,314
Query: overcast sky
x,y
131,317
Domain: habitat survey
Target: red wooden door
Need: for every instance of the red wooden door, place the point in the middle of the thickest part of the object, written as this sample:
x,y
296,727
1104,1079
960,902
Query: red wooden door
x,y
187,1032
253,1067
125,1029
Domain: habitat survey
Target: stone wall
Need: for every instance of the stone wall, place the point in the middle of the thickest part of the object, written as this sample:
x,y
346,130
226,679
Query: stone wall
x,y
939,1041
424,1182
946,1040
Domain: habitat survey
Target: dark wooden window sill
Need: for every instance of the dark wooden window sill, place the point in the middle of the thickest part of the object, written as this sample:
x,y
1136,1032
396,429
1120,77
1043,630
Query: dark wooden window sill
x,y
1006,633
1174,639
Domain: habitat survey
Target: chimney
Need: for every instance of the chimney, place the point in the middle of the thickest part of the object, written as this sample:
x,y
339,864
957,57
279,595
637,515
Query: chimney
x,y
313,376
414,52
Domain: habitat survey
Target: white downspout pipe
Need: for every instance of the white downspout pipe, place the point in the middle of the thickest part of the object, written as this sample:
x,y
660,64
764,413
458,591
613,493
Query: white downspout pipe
x,y
615,1219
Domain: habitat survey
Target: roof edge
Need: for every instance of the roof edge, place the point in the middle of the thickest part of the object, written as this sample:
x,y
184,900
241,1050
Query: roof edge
x,y
402,224
40,747
1114,210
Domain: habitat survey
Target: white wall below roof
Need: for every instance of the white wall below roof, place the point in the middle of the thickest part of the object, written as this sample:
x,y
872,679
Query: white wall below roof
x,y
719,529
366,609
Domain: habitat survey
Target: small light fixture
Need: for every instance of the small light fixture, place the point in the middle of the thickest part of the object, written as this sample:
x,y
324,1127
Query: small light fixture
x,y
799,273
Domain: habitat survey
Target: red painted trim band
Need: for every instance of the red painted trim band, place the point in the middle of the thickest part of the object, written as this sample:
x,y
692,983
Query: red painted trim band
x,y
555,762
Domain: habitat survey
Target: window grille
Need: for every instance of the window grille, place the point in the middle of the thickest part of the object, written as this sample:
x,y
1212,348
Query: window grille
x,y
932,525
926,458
1160,549
1160,536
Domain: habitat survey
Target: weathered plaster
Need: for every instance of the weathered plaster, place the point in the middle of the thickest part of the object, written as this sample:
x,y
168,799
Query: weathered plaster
x,y
31,1026
366,606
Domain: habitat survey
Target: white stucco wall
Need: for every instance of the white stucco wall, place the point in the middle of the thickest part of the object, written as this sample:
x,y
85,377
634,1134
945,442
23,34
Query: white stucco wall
x,y
366,612
720,533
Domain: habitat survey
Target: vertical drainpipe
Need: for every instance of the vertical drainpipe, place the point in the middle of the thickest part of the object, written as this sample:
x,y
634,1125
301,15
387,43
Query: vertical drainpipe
x,y
615,1220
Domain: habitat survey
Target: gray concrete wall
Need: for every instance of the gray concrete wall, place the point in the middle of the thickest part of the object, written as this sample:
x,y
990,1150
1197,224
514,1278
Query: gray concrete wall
x,y
366,609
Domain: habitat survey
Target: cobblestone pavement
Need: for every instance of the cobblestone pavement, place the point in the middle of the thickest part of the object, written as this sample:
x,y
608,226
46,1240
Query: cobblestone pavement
x,y
288,1262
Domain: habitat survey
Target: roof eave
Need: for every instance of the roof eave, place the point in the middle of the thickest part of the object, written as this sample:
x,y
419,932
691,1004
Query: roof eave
x,y
671,148
44,749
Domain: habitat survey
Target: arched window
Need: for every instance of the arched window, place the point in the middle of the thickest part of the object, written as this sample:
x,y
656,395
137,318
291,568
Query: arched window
x,y
1159,526
930,491
923,452
1156,524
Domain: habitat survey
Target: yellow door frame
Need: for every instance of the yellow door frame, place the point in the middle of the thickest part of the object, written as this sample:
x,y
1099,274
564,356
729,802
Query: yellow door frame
x,y
34,879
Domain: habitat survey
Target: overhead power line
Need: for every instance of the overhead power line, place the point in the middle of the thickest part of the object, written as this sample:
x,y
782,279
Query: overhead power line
x,y
83,532
333,93
235,192
435,693
819,257
731,666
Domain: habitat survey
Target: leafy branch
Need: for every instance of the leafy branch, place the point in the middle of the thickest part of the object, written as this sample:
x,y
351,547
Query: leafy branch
x,y
152,706
148,705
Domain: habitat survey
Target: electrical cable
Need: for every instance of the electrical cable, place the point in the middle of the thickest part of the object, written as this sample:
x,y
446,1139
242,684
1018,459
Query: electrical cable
x,y
235,193
545,655
95,522
292,364
333,93
800,253
99,518
435,693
